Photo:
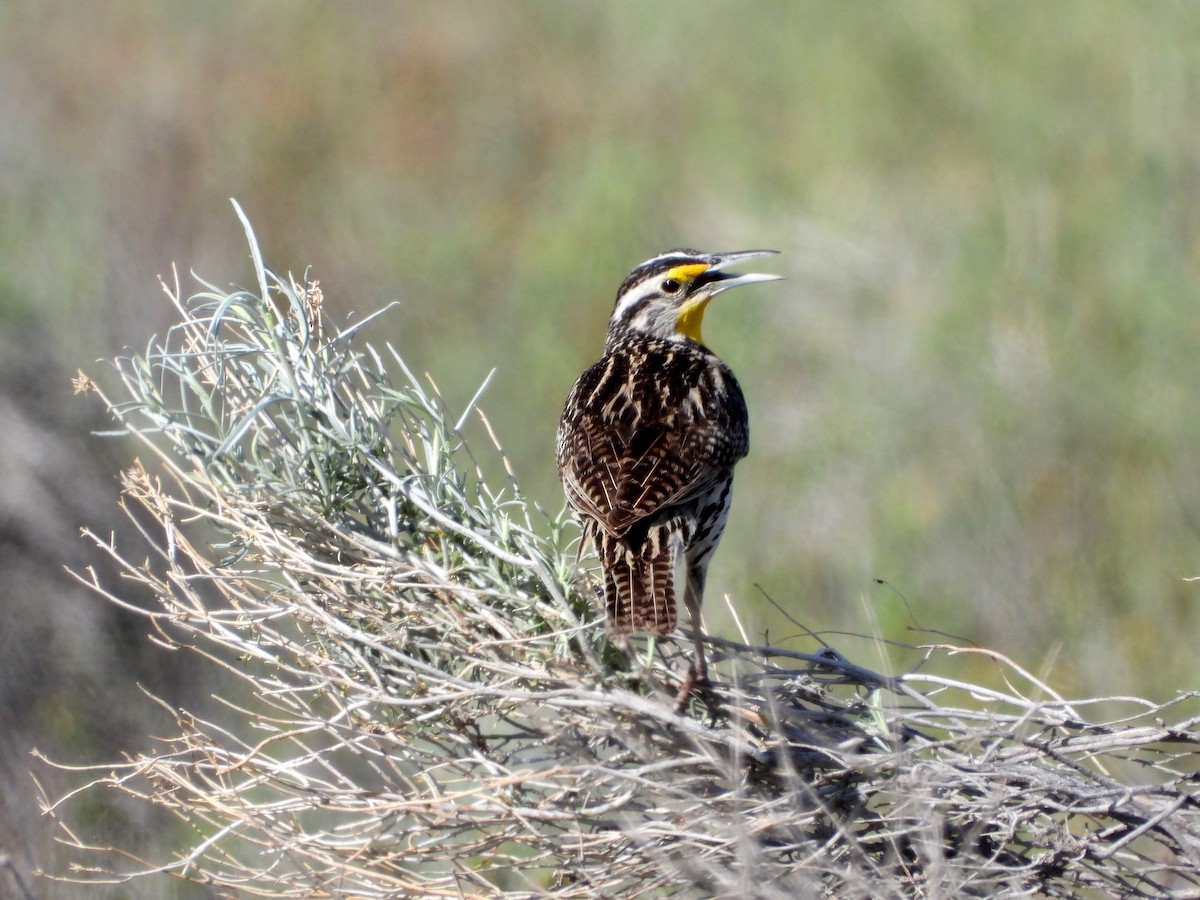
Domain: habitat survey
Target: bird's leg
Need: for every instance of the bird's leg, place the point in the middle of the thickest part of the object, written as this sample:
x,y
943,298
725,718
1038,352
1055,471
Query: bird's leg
x,y
697,674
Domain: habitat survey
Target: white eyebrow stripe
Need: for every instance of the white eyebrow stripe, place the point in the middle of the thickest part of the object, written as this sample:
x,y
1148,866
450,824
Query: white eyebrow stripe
x,y
634,297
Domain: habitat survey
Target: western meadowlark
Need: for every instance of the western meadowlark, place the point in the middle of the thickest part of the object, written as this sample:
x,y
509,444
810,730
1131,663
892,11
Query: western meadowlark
x,y
648,441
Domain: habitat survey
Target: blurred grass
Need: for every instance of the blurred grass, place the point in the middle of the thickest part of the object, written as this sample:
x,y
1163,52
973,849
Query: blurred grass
x,y
978,384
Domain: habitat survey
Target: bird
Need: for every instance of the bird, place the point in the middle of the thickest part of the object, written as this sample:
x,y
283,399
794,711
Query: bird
x,y
647,443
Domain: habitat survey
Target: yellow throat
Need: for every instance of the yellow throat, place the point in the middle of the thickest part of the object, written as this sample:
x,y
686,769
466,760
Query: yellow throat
x,y
689,317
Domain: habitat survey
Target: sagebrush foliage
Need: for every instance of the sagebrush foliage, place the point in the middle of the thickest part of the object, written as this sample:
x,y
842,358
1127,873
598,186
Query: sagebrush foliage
x,y
430,707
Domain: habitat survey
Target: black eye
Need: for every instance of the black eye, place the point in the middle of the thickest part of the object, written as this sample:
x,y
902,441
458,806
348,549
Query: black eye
x,y
671,285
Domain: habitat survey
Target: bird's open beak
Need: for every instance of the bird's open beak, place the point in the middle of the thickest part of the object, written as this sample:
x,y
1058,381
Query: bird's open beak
x,y
715,279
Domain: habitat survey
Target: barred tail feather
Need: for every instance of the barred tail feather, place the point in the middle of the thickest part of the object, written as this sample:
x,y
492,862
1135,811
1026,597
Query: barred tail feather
x,y
639,592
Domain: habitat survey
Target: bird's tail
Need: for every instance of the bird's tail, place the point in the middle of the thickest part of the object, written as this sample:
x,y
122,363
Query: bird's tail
x,y
639,586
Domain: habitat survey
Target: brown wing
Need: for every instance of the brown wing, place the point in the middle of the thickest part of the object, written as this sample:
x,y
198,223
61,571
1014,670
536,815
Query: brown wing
x,y
646,427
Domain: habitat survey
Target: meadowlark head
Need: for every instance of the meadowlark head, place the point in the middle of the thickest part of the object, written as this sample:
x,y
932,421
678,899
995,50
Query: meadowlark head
x,y
666,296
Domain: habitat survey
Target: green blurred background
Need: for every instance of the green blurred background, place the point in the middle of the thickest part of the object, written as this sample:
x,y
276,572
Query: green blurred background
x,y
978,383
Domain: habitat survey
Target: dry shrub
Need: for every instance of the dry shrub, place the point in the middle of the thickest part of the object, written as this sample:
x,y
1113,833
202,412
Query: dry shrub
x,y
431,708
